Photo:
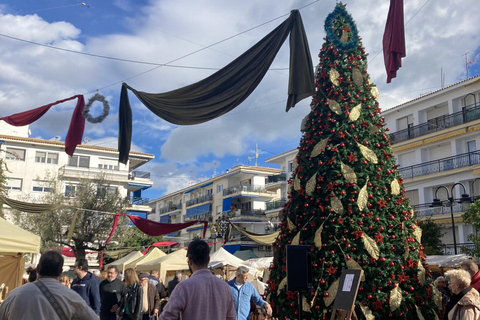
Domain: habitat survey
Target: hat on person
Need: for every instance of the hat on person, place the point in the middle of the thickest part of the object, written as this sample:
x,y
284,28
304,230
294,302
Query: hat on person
x,y
143,275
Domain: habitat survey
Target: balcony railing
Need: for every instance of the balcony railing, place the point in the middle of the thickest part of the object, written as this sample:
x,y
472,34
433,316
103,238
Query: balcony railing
x,y
249,213
138,201
277,204
276,178
205,198
140,174
467,114
425,209
169,208
440,165
449,248
92,173
238,189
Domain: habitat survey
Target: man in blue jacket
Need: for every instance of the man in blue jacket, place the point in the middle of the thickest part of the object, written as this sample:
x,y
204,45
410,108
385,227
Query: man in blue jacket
x,y
243,291
86,285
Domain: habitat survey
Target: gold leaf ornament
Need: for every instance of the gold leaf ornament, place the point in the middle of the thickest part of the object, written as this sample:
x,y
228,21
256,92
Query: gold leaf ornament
x,y
334,106
296,239
357,77
291,226
332,293
311,184
296,184
282,285
305,305
333,74
375,92
367,312
418,234
421,273
336,204
318,148
407,249
419,313
373,128
362,197
344,37
353,265
395,298
355,113
367,153
437,297
348,173
371,246
395,187
318,237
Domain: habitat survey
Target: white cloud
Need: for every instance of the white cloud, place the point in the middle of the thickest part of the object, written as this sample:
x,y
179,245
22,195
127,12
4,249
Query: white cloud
x,y
164,30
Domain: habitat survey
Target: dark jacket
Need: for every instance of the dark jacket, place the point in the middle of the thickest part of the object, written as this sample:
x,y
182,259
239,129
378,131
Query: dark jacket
x,y
88,289
153,299
171,285
131,305
160,288
111,294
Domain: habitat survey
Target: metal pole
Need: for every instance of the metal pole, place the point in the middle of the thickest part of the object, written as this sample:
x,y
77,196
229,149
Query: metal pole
x,y
453,226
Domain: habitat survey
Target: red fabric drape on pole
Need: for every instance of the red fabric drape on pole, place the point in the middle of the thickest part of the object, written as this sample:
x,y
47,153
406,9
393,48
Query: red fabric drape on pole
x,y
153,228
77,124
394,39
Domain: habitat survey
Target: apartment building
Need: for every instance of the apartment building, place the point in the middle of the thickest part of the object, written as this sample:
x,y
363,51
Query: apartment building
x,y
239,195
32,162
434,139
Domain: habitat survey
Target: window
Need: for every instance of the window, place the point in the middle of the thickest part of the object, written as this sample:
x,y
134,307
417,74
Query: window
x,y
46,157
405,122
102,192
107,164
14,184
290,166
219,188
41,189
219,209
15,154
71,191
79,161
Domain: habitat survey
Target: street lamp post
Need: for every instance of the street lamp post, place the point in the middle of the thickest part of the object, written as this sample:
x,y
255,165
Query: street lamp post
x,y
438,203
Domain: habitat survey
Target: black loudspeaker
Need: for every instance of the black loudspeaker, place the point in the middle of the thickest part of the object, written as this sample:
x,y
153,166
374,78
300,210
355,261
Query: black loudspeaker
x,y
299,268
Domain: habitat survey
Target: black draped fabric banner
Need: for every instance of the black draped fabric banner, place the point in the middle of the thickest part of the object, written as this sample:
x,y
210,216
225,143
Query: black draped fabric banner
x,y
228,87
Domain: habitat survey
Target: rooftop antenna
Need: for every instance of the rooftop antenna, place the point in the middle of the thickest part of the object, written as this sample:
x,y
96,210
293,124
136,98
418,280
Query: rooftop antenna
x,y
215,164
467,63
86,140
442,78
256,154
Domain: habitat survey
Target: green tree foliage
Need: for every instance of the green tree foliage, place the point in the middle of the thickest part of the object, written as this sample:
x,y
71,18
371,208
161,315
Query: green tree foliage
x,y
83,221
472,216
347,200
431,236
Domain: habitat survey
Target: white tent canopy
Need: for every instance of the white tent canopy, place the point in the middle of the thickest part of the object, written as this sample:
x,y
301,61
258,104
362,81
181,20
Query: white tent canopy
x,y
15,240
153,254
175,261
228,259
120,263
448,261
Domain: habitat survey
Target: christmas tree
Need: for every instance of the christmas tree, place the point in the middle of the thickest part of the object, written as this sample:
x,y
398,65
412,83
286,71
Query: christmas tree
x,y
347,200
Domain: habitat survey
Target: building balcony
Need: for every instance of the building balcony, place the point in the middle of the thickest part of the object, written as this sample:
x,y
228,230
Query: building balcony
x,y
426,209
275,205
276,179
468,114
258,192
170,208
205,198
445,164
448,249
92,173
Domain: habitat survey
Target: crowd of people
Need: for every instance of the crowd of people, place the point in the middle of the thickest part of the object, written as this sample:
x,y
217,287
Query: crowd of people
x,y
51,295
459,290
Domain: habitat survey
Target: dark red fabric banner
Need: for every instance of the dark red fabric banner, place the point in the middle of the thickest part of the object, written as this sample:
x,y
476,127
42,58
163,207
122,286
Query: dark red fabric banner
x,y
115,222
153,228
394,39
77,124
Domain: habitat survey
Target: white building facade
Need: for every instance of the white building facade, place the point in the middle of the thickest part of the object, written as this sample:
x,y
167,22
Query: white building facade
x,y
32,163
241,195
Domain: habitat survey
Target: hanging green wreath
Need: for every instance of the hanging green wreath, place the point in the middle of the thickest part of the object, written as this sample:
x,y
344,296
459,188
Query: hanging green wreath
x,y
86,110
340,42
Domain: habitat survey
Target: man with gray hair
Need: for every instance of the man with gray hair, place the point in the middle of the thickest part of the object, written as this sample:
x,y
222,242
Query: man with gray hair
x,y
242,292
472,268
172,284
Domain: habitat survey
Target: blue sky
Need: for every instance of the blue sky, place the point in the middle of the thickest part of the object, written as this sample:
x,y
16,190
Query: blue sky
x,y
438,33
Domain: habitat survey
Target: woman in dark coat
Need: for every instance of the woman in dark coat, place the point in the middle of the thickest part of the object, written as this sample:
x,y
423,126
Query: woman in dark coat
x,y
131,304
